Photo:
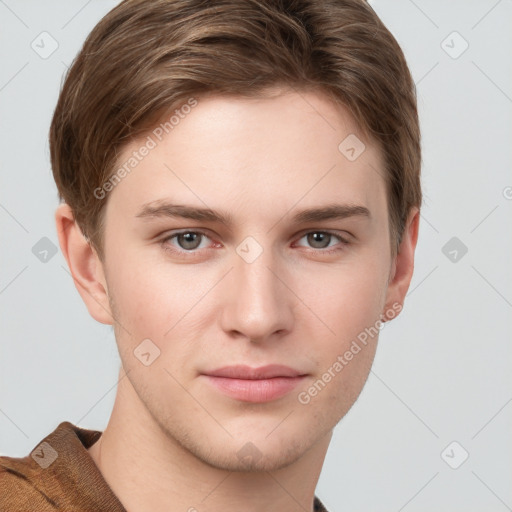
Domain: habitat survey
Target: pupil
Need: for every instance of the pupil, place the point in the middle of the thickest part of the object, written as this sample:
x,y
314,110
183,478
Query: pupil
x,y
189,239
317,235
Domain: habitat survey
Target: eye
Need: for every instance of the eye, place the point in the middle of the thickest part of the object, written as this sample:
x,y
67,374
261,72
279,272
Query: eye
x,y
188,241
321,239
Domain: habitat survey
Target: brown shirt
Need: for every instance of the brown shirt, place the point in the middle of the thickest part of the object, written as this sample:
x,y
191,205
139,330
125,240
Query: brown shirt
x,y
59,474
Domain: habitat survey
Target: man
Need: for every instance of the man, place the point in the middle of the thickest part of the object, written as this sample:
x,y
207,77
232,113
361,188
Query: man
x,y
241,195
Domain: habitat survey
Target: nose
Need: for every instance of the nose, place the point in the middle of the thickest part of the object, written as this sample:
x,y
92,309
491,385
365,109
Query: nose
x,y
256,303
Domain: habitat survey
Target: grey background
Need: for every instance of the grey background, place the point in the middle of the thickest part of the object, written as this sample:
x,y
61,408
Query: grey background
x,y
442,368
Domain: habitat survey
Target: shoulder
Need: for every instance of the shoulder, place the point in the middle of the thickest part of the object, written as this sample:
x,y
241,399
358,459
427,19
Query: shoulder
x,y
58,474
18,487
40,480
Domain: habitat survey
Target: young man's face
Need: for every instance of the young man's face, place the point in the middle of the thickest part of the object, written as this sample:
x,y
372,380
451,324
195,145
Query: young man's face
x,y
263,290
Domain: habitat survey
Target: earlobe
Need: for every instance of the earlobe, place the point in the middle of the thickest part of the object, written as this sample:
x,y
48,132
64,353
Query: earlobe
x,y
84,265
403,267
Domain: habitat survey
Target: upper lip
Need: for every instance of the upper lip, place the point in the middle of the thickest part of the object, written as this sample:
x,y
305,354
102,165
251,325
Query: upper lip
x,y
247,372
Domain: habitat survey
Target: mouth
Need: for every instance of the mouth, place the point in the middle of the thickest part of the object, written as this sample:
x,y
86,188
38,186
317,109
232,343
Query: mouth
x,y
256,385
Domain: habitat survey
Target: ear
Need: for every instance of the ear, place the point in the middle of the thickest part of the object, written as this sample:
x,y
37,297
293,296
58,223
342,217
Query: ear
x,y
84,265
402,267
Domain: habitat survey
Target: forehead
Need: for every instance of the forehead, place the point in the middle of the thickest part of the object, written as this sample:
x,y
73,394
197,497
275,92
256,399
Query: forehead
x,y
254,155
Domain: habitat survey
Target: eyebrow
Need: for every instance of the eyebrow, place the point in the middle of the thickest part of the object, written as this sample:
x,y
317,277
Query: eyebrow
x,y
328,212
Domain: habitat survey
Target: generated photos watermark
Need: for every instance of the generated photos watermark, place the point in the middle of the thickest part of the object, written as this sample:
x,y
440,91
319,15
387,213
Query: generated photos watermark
x,y
150,143
304,397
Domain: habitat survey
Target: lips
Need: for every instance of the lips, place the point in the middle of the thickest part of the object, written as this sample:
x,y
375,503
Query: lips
x,y
247,384
246,372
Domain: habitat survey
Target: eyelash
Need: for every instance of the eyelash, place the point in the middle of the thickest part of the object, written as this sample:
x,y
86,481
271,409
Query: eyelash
x,y
183,252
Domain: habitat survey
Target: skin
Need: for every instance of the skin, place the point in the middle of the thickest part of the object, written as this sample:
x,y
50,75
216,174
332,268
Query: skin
x,y
172,440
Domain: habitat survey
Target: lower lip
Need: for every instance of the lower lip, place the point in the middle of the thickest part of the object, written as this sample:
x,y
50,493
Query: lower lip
x,y
258,390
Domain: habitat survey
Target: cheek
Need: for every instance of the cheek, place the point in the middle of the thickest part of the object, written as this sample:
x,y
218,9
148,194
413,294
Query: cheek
x,y
350,306
347,355
146,304
352,298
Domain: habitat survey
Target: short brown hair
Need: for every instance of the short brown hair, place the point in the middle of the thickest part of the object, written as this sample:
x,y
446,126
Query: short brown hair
x,y
145,57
